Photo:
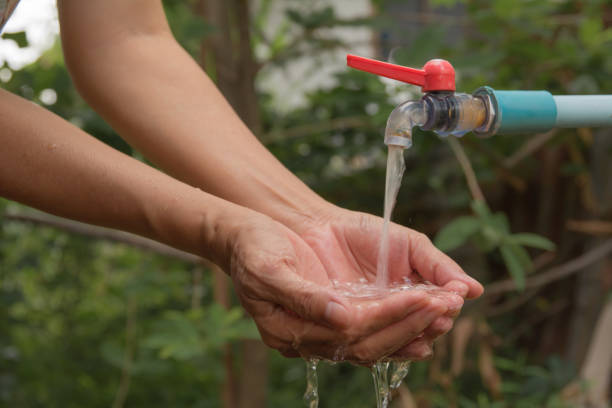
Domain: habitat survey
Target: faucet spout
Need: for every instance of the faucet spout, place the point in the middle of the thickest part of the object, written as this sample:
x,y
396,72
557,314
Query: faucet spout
x,y
401,122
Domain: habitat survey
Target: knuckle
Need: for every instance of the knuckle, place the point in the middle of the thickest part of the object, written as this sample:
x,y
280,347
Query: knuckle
x,y
349,336
425,354
421,240
278,262
365,221
259,261
441,325
364,354
417,351
447,325
306,301
273,342
288,353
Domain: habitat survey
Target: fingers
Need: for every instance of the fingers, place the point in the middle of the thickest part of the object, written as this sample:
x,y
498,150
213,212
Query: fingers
x,y
435,266
310,301
438,327
422,347
293,336
374,315
419,349
358,317
457,287
387,341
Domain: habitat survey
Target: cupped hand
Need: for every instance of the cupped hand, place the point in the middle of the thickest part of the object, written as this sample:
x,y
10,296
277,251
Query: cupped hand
x,y
347,243
284,282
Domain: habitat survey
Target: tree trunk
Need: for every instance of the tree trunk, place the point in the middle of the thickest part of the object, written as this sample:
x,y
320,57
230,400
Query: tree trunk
x,y
591,285
227,56
221,296
227,53
597,368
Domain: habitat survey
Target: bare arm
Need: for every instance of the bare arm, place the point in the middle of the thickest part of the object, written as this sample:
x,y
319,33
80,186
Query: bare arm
x,y
47,163
126,63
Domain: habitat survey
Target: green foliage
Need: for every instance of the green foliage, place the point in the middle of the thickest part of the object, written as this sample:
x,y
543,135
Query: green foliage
x,y
491,231
325,17
456,232
529,385
66,303
184,336
532,240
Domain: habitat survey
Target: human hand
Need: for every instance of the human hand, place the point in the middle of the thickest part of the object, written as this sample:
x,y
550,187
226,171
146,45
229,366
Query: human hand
x,y
347,245
284,284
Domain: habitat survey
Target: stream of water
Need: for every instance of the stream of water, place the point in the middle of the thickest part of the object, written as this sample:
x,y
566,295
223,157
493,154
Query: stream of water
x,y
393,180
387,375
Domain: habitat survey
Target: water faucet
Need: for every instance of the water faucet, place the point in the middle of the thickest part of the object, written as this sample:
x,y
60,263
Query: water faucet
x,y
485,112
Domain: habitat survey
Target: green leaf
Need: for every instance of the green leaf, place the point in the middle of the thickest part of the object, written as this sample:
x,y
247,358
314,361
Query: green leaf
x,y
499,221
523,256
480,208
456,232
514,265
532,240
19,37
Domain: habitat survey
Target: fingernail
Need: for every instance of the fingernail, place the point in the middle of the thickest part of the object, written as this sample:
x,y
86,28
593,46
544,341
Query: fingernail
x,y
336,314
455,303
458,287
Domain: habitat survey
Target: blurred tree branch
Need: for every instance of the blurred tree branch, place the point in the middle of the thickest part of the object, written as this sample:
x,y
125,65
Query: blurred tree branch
x,y
318,127
591,227
468,171
532,145
555,273
75,227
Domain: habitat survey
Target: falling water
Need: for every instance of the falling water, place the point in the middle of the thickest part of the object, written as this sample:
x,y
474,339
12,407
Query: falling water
x,y
395,171
311,396
387,375
380,370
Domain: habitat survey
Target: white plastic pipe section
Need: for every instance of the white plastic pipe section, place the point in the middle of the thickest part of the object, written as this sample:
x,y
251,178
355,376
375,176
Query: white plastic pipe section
x,y
583,111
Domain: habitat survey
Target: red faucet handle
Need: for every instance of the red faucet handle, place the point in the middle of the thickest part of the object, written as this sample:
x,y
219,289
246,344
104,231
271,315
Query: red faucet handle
x,y
436,75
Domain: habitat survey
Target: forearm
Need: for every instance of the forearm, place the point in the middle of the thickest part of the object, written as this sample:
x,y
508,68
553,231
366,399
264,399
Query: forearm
x,y
160,100
51,165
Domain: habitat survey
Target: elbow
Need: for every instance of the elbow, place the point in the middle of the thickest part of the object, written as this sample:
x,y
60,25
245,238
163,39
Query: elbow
x,y
85,63
93,62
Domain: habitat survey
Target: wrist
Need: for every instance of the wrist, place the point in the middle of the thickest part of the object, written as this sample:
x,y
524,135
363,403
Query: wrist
x,y
194,221
218,230
308,215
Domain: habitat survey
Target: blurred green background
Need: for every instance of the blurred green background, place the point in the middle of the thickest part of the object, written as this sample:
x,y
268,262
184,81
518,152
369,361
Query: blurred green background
x,y
88,318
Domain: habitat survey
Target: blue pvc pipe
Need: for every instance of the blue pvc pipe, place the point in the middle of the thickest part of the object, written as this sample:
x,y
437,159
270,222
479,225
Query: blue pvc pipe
x,y
583,111
539,111
525,111
520,111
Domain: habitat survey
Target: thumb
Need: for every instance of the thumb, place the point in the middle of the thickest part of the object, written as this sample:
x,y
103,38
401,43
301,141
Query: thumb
x,y
313,302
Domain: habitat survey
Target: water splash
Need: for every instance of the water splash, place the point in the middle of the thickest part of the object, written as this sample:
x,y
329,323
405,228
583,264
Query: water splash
x,y
362,289
399,372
